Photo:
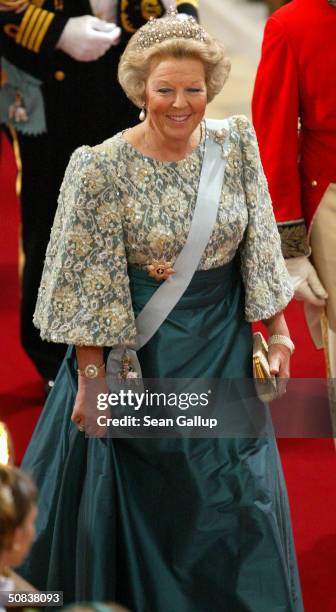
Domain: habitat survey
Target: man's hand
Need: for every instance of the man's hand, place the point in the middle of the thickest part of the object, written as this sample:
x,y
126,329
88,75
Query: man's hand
x,y
87,38
306,283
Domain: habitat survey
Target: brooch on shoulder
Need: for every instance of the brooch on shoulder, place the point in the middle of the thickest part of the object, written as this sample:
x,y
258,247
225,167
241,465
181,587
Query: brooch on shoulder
x,y
219,137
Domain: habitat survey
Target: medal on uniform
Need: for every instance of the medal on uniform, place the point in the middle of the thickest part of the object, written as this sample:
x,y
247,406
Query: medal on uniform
x,y
17,110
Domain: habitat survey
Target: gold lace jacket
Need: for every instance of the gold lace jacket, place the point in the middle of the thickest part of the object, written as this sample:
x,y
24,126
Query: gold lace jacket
x,y
118,207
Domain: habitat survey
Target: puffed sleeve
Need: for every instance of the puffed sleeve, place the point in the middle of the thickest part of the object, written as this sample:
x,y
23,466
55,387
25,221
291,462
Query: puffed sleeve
x,y
267,283
84,296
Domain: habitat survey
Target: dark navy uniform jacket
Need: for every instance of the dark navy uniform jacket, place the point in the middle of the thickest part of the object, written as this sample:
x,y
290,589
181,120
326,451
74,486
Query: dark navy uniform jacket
x,y
28,39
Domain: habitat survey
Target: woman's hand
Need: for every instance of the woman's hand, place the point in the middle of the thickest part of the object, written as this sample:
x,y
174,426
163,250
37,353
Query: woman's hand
x,y
279,354
85,413
279,360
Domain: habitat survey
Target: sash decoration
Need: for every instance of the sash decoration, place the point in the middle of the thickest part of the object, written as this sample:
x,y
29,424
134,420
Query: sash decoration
x,y
122,362
205,214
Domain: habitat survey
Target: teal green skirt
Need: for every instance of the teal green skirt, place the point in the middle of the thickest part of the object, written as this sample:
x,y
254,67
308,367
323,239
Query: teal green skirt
x,y
166,525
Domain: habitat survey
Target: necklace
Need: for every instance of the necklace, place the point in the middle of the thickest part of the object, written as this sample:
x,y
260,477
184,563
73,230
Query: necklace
x,y
149,150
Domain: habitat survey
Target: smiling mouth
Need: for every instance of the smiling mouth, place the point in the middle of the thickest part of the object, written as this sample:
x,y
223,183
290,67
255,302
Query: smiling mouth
x,y
178,118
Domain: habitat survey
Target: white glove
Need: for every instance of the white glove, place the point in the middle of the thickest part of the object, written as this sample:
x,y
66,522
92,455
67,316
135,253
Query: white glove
x,y
87,38
306,283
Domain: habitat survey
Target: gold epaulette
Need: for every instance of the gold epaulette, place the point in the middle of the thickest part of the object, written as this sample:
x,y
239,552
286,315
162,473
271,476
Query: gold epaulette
x,y
33,28
194,3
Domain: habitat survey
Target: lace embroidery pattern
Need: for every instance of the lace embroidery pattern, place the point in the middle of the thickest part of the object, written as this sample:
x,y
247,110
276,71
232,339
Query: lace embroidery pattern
x,y
118,207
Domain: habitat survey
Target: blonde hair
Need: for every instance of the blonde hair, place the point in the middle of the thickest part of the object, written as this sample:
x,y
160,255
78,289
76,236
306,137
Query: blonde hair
x,y
135,64
17,497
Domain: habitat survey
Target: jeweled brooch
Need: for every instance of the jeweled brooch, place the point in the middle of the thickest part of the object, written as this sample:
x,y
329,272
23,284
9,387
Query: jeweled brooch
x,y
160,269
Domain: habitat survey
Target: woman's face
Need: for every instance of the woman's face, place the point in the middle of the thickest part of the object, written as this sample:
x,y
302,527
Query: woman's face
x,y
176,97
22,539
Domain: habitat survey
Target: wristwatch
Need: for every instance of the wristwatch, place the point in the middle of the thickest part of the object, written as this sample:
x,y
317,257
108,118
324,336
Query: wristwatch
x,y
91,370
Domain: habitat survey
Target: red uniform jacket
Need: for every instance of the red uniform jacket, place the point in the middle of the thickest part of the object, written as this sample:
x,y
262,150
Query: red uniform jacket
x,y
296,80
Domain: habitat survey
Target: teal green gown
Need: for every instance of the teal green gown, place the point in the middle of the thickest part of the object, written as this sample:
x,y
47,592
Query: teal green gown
x,y
172,524
166,525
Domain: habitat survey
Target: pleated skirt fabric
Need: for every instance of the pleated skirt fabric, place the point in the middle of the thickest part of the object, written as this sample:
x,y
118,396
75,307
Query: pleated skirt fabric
x,y
169,524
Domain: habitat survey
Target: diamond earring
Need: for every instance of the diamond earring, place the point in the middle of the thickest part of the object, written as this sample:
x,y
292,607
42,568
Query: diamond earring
x,y
142,115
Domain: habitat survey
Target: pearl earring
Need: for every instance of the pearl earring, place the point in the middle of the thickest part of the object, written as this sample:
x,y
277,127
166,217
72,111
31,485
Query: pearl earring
x,y
16,547
142,115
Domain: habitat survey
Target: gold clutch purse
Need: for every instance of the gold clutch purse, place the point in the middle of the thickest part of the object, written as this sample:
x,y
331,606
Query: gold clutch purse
x,y
265,382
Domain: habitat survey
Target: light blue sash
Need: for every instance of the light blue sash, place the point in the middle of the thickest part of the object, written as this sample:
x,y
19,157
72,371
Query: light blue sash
x,y
171,290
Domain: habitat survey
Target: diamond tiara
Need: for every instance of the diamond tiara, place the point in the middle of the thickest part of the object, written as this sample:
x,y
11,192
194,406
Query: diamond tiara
x,y
173,25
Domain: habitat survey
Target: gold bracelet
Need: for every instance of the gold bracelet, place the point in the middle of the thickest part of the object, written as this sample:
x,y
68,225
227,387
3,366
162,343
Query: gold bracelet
x,y
91,370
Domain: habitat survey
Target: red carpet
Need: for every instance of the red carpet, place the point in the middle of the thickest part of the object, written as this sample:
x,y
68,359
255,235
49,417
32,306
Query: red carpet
x,y
310,465
21,391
